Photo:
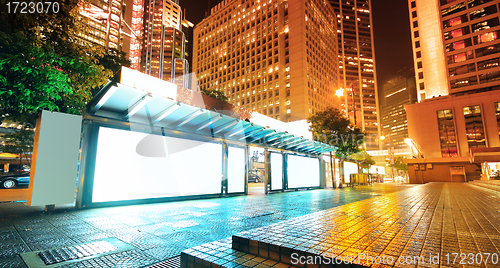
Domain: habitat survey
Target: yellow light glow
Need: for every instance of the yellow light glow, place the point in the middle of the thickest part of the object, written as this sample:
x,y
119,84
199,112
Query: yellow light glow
x,y
339,92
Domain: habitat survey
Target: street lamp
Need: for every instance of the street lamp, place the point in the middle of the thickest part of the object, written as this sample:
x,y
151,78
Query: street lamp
x,y
340,92
390,152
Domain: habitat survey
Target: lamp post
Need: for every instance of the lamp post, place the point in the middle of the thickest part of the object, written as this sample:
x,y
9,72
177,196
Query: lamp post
x,y
390,152
353,105
341,93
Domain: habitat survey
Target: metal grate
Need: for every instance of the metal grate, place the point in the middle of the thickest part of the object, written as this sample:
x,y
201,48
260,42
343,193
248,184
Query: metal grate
x,y
174,262
54,256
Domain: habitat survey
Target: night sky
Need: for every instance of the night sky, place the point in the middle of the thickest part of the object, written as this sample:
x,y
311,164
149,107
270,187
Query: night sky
x,y
391,29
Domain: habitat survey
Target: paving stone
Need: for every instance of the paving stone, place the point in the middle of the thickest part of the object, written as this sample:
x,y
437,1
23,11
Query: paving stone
x,y
27,228
407,229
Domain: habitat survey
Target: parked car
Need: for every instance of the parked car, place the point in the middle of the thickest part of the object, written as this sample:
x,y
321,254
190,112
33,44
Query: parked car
x,y
253,177
14,180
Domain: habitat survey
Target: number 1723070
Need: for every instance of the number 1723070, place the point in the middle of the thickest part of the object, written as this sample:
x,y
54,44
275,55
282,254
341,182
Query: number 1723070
x,y
32,7
471,258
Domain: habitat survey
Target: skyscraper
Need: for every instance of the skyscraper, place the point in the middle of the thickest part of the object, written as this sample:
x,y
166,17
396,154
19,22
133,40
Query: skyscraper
x,y
357,74
278,58
163,43
456,46
456,51
103,22
398,92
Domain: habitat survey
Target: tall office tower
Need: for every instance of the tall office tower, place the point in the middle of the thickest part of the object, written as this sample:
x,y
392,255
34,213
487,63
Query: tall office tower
x,y
398,92
133,30
187,29
163,45
456,46
103,22
276,57
357,74
114,24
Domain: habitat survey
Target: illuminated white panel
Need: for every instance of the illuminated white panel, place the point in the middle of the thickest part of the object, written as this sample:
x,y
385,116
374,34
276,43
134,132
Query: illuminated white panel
x,y
298,128
276,171
136,79
349,168
236,170
133,165
302,171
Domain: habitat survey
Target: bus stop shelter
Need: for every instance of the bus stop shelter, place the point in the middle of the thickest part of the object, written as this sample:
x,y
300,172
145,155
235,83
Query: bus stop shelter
x,y
145,140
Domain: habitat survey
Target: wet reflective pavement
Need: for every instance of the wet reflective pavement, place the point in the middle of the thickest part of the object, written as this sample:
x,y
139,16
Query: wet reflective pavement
x,y
160,231
433,225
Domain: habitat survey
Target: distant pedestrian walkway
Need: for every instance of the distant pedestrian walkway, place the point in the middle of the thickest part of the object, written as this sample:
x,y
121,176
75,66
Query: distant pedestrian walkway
x,y
433,225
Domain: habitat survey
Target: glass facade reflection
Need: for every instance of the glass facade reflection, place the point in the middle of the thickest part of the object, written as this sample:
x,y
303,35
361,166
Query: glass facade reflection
x,y
474,128
447,135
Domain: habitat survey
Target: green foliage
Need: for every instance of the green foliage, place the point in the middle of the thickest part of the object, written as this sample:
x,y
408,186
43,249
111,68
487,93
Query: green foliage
x,y
332,127
43,65
215,94
363,158
399,165
113,60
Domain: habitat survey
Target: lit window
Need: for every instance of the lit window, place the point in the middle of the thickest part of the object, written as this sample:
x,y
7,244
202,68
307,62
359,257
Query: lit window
x,y
459,45
455,21
456,33
487,37
459,57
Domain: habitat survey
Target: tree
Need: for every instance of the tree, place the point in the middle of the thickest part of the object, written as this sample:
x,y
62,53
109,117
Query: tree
x,y
400,165
363,158
215,94
43,64
332,127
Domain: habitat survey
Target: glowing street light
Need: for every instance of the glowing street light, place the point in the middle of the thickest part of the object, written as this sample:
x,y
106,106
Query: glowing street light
x,y
340,92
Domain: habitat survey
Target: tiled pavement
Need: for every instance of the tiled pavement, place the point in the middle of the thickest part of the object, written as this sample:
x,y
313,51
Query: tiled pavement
x,y
433,225
159,231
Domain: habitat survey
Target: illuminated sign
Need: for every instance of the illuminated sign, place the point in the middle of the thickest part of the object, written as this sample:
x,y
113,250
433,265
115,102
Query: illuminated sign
x,y
134,165
142,81
302,171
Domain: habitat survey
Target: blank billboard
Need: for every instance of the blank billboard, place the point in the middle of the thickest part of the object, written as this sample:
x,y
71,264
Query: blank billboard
x,y
236,170
276,171
134,165
302,171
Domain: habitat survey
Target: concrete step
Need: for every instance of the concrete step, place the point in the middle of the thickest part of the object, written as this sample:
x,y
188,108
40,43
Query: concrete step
x,y
221,254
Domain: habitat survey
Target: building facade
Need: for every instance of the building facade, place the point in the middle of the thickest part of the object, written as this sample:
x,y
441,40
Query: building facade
x,y
102,21
163,42
456,55
398,92
357,74
447,128
278,58
456,46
